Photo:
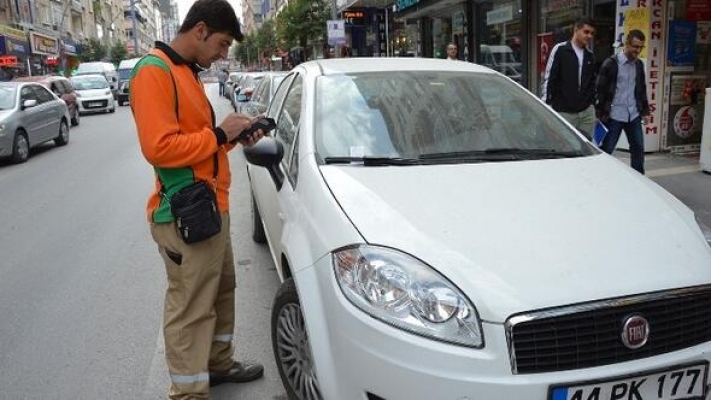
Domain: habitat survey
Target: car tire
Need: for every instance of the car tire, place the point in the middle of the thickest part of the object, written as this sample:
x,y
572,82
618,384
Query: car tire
x,y
120,103
113,109
20,148
291,347
258,234
63,137
75,118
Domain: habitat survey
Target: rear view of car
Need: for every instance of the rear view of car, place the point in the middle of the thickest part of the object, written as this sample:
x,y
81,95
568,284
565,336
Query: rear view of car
x,y
124,76
94,94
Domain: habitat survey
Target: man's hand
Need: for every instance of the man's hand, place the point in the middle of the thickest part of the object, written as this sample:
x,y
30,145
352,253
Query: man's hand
x,y
234,124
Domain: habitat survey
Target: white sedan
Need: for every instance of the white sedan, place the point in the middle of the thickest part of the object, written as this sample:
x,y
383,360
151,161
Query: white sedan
x,y
441,234
93,94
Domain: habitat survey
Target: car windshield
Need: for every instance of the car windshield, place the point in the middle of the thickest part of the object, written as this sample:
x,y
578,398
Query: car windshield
x,y
7,97
445,116
124,73
90,83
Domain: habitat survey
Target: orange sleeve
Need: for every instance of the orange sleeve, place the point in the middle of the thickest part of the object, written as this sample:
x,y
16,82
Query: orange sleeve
x,y
162,142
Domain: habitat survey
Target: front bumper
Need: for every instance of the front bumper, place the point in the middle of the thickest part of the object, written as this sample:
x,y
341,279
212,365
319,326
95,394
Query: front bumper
x,y
95,103
356,355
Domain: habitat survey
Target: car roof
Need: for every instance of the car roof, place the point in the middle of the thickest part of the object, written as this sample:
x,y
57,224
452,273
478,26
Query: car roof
x,y
335,66
89,76
39,78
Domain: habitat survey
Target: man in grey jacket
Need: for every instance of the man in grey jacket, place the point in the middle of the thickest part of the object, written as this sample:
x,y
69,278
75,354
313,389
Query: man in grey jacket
x,y
569,79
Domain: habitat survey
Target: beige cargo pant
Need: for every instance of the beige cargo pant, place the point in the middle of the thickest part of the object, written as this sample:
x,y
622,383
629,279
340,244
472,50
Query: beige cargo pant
x,y
199,313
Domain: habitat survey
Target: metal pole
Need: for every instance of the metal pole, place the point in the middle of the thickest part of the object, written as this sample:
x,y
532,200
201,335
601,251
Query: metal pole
x,y
387,34
133,27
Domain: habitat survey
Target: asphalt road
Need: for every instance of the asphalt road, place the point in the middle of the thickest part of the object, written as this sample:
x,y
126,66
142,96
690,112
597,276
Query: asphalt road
x,y
81,282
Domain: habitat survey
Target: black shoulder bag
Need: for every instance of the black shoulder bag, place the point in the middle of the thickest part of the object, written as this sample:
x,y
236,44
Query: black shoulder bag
x,y
194,207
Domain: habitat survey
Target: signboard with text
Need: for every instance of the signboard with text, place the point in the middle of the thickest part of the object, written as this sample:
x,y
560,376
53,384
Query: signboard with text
x,y
44,44
336,31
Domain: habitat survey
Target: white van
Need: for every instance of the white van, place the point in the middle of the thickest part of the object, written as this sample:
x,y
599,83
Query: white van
x,y
124,74
501,58
107,69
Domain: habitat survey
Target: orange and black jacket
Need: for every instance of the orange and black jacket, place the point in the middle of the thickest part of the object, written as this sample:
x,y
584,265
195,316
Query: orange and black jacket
x,y
176,129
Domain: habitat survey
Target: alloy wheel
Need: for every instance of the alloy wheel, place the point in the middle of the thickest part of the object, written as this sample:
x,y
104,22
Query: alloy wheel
x,y
294,353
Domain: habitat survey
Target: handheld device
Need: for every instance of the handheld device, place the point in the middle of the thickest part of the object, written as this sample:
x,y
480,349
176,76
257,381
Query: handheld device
x,y
265,124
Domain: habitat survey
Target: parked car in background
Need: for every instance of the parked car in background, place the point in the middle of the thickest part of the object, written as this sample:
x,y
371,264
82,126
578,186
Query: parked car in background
x,y
94,94
124,75
29,116
62,87
441,233
244,89
232,80
263,94
106,69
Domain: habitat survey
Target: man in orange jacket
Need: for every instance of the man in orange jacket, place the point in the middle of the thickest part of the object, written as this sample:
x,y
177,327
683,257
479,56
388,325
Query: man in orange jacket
x,y
180,139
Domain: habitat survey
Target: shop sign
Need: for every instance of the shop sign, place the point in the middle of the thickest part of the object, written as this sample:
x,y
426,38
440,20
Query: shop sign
x,y
557,5
499,15
354,17
336,32
13,46
403,4
70,48
698,10
682,43
8,61
652,57
12,32
686,109
46,45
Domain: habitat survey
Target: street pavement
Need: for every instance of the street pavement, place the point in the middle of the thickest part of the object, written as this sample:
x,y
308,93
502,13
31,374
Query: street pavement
x,y
681,175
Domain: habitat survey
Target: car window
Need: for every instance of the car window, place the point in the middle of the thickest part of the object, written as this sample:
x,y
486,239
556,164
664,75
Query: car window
x,y
294,165
7,97
27,94
258,96
426,113
43,95
279,97
288,121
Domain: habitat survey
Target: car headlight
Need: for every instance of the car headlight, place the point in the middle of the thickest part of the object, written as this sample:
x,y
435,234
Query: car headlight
x,y
108,92
704,229
404,292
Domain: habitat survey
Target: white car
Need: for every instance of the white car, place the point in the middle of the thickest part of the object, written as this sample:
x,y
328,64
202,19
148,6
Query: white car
x,y
441,234
93,94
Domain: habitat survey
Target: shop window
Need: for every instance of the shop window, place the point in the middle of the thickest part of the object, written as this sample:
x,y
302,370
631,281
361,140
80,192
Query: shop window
x,y
500,46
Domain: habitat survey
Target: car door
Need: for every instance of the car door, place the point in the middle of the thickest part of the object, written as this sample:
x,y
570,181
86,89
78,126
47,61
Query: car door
x,y
286,110
49,112
32,117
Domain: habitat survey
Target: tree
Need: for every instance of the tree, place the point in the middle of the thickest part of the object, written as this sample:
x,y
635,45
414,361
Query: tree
x,y
93,50
302,21
118,52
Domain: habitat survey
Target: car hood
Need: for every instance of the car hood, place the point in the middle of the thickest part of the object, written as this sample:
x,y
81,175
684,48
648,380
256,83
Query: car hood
x,y
526,235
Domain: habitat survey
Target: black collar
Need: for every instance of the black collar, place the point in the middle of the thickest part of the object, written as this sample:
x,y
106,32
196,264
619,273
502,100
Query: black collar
x,y
176,58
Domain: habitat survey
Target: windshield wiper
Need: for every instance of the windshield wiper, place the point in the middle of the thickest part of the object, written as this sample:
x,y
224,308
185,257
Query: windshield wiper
x,y
372,161
502,154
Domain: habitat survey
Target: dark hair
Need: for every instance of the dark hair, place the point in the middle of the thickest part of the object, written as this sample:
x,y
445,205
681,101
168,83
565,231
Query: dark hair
x,y
634,34
580,22
218,15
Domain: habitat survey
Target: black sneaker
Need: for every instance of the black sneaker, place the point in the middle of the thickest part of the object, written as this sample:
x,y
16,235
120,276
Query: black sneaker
x,y
238,373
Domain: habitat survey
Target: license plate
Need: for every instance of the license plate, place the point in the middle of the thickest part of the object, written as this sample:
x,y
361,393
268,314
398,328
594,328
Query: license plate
x,y
687,382
96,104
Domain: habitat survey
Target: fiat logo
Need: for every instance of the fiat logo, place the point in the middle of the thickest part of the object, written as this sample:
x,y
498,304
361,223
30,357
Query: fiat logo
x,y
635,332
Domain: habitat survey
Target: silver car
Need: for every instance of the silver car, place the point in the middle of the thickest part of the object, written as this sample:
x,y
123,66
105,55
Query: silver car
x,y
30,115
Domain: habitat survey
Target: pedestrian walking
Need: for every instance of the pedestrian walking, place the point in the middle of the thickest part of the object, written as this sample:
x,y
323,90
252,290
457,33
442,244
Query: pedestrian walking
x,y
221,79
188,210
451,51
569,78
621,102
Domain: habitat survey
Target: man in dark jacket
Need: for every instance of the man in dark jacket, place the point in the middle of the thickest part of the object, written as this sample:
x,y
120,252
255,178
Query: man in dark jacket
x,y
569,78
621,101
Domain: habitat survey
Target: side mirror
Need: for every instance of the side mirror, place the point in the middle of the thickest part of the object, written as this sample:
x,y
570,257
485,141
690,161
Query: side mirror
x,y
267,153
29,104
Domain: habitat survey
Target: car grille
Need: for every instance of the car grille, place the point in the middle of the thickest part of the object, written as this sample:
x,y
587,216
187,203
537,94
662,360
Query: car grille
x,y
95,103
590,334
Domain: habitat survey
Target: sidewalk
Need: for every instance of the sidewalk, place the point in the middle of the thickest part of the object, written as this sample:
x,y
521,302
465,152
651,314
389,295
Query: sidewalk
x,y
681,175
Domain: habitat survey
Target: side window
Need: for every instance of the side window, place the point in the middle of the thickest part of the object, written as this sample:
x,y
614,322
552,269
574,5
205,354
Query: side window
x,y
288,121
43,95
294,166
27,94
275,105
